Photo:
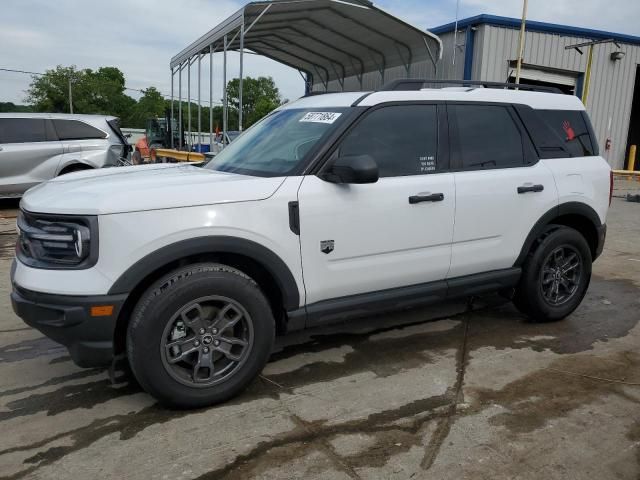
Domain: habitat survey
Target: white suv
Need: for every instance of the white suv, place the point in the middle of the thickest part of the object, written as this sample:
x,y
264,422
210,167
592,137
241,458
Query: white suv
x,y
333,206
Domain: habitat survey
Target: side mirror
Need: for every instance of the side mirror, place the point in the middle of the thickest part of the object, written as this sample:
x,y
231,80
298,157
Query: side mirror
x,y
352,169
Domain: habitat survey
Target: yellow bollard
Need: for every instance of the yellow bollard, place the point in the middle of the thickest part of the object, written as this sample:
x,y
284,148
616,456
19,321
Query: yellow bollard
x,y
632,158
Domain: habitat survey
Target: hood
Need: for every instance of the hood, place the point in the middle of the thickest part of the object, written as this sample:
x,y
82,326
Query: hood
x,y
144,187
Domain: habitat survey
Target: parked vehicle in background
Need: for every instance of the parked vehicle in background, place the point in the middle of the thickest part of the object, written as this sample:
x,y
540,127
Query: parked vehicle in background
x,y
35,147
159,133
218,145
331,207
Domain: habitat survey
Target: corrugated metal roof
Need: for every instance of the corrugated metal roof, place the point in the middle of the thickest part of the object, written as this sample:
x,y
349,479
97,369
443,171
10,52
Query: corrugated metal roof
x,y
330,39
537,27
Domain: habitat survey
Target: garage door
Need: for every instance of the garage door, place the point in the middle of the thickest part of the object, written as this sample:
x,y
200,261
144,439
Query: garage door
x,y
547,76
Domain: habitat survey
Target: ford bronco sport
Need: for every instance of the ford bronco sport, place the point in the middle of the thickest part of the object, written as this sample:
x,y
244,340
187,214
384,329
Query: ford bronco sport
x,y
332,206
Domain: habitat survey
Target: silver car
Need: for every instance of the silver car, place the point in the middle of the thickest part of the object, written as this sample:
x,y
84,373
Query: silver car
x,y
35,147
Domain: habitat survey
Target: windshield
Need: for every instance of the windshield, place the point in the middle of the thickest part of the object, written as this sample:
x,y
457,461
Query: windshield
x,y
279,143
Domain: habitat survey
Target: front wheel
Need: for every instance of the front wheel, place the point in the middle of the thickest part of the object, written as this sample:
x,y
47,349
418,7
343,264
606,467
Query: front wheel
x,y
555,275
200,335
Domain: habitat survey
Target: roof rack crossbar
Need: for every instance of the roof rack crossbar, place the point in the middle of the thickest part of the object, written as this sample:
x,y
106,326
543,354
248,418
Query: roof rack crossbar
x,y
419,83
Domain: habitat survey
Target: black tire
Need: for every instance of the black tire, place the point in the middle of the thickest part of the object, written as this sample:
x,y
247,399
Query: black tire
x,y
537,295
74,168
156,321
136,158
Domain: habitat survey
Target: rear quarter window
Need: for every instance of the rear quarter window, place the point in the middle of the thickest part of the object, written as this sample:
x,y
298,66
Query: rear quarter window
x,y
573,129
76,130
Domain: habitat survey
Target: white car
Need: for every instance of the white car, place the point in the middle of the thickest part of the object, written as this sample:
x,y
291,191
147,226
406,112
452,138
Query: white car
x,y
331,207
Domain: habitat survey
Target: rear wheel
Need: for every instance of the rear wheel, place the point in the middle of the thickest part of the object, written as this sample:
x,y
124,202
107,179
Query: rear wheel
x,y
555,275
200,335
74,168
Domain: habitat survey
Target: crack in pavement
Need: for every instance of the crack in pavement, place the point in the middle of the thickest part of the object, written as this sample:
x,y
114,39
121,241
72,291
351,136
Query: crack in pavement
x,y
302,438
53,381
308,433
444,426
326,447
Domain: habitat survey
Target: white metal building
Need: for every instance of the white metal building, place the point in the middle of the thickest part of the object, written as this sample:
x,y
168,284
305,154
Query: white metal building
x,y
487,49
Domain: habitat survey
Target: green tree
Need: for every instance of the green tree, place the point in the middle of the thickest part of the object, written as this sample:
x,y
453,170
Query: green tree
x,y
151,104
99,92
50,92
259,97
12,107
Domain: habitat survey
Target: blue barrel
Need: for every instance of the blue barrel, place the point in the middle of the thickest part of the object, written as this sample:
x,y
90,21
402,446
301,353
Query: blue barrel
x,y
201,147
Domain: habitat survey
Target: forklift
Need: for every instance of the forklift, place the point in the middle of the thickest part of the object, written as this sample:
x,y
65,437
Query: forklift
x,y
160,134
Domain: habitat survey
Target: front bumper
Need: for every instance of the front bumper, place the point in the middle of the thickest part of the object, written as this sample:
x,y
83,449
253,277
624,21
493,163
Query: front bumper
x,y
68,320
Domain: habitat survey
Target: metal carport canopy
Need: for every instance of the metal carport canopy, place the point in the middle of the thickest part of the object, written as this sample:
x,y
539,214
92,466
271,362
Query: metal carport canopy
x,y
329,40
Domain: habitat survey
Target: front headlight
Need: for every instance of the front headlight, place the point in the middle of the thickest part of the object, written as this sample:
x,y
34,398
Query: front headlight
x,y
57,241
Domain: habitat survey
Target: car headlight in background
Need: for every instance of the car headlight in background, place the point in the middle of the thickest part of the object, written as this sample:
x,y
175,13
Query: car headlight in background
x,y
57,241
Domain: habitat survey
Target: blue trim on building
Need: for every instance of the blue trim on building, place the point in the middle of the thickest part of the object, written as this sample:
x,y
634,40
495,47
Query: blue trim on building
x,y
536,27
468,52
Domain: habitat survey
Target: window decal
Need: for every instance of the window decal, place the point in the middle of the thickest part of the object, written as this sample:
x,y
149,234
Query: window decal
x,y
321,117
427,164
566,126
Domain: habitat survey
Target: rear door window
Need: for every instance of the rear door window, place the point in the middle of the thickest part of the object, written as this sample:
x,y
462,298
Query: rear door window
x,y
76,130
23,130
572,129
403,139
486,136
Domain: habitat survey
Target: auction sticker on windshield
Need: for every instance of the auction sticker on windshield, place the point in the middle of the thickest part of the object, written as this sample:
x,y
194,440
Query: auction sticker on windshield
x,y
320,117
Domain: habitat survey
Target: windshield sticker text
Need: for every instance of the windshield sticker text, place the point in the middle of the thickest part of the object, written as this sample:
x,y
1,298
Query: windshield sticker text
x,y
320,117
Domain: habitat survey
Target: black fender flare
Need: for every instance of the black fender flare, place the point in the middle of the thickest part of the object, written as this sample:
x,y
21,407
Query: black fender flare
x,y
569,208
207,245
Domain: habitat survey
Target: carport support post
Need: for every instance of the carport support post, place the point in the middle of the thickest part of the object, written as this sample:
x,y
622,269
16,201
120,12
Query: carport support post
x,y
211,98
189,140
170,126
224,94
241,77
199,108
180,107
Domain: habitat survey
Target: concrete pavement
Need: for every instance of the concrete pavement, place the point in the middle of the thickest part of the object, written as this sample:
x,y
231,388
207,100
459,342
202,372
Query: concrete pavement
x,y
449,392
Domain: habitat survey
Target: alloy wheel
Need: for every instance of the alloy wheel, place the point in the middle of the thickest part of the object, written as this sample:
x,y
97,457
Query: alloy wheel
x,y
207,341
560,275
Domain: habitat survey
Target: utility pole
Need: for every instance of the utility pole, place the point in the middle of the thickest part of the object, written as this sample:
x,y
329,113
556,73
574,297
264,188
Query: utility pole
x,y
521,46
70,97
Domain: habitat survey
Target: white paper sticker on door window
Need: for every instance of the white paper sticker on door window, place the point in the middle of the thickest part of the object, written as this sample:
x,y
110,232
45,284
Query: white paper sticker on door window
x,y
320,117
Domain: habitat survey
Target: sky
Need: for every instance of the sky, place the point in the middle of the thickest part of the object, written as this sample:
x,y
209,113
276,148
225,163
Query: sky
x,y
140,36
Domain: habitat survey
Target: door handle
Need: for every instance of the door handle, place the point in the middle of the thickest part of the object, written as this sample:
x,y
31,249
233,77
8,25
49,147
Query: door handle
x,y
530,188
434,197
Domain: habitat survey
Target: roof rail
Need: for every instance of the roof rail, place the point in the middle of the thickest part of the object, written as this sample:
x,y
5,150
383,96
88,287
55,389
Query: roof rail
x,y
321,92
419,83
